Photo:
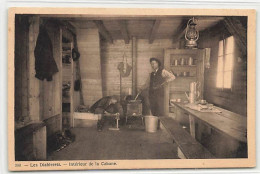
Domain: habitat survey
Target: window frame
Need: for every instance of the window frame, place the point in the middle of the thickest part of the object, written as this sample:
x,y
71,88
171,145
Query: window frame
x,y
224,38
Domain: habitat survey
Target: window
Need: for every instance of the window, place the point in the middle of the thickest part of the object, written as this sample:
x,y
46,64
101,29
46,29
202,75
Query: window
x,y
225,63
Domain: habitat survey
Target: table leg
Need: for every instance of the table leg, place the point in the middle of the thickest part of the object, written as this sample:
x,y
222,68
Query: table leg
x,y
192,126
200,130
116,123
180,154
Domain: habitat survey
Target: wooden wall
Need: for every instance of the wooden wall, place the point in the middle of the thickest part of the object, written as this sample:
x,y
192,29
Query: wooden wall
x,y
76,95
235,100
21,74
50,91
112,54
36,100
90,65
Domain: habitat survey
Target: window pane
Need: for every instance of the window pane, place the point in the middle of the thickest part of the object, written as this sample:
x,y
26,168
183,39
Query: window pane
x,y
228,62
227,79
220,63
220,48
219,79
220,72
229,45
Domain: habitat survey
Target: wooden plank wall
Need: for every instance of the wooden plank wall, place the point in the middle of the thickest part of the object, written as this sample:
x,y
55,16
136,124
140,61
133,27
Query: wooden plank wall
x,y
33,82
112,54
90,65
21,60
235,100
50,91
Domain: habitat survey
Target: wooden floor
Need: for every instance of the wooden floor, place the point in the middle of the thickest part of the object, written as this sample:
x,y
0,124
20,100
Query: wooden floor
x,y
131,142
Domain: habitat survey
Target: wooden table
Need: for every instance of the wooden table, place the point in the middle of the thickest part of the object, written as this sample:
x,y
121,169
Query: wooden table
x,y
226,122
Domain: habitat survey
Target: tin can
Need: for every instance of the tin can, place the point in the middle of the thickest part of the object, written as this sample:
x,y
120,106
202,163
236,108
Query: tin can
x,y
190,61
182,61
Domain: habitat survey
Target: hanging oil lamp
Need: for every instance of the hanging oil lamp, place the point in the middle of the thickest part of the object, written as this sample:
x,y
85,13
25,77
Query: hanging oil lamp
x,y
191,34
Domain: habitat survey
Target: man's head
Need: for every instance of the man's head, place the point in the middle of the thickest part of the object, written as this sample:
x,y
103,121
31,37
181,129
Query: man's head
x,y
113,99
155,63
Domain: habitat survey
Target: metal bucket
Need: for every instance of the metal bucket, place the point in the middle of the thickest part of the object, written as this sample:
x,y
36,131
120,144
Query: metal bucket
x,y
151,123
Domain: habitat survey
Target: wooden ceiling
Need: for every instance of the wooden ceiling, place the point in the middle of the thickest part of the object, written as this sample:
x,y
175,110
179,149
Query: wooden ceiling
x,y
146,27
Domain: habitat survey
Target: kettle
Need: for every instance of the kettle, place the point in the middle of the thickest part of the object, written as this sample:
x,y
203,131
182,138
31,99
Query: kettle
x,y
191,97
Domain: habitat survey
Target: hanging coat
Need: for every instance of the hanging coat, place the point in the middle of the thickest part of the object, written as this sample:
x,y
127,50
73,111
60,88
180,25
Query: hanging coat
x,y
45,65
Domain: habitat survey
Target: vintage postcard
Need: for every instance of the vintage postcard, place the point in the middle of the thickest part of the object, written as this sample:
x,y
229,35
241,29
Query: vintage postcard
x,y
122,88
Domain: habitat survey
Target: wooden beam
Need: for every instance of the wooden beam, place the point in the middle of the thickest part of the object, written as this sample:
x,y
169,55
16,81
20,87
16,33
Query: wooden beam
x,y
124,32
154,30
235,27
134,64
180,31
103,31
73,17
212,30
33,82
68,26
67,34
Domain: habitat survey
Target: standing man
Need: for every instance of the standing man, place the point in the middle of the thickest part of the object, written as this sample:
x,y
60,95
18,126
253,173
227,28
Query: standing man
x,y
158,78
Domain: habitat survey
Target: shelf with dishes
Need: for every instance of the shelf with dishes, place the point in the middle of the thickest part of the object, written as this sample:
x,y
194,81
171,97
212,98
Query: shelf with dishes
x,y
184,74
191,77
184,66
182,61
184,71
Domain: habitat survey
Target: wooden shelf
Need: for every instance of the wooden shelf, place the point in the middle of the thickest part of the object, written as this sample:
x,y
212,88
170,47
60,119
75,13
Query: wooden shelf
x,y
178,92
182,66
181,84
68,77
66,64
66,100
66,45
186,77
66,53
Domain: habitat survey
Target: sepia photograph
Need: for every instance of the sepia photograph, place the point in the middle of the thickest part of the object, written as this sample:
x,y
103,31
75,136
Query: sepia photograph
x,y
130,88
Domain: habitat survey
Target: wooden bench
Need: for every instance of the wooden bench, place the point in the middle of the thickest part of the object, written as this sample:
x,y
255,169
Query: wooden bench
x,y
30,142
188,147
